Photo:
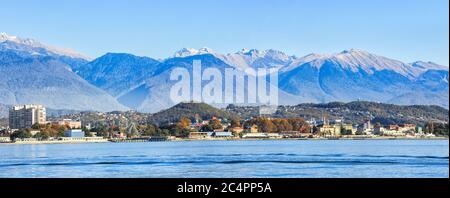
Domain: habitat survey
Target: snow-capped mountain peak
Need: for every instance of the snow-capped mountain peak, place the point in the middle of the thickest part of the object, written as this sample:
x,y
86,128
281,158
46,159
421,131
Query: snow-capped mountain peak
x,y
30,43
6,37
360,60
186,52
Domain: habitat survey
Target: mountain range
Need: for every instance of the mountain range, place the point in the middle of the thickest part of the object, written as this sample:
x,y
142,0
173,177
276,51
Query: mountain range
x,y
37,74
33,72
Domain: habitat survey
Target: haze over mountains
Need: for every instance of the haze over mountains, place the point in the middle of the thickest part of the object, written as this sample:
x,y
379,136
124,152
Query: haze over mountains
x,y
32,72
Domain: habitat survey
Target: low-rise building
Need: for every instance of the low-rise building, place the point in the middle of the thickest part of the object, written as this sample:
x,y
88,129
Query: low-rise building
x,y
120,135
255,135
200,135
5,139
395,130
74,133
222,134
262,135
407,128
329,130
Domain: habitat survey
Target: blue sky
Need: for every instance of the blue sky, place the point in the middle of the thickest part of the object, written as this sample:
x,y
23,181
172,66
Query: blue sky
x,y
407,30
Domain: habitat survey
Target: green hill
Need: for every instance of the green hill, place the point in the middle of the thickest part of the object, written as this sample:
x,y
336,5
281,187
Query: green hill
x,y
193,111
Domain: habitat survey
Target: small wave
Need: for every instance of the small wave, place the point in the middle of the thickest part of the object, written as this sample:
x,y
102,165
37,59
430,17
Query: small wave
x,y
402,156
200,162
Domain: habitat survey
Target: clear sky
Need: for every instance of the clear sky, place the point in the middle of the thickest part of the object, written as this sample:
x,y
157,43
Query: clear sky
x,y
407,30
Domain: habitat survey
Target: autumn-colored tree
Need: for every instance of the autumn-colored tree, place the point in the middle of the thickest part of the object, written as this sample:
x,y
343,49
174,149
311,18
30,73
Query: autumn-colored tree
x,y
266,126
184,123
215,124
298,124
283,125
235,123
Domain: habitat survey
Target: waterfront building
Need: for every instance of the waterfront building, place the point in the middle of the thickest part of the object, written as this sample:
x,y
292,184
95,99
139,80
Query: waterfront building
x,y
274,135
5,140
222,134
255,135
395,130
120,135
330,130
365,129
407,128
74,133
25,116
262,135
200,135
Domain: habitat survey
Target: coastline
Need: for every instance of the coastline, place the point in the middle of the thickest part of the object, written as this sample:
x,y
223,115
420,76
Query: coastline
x,y
220,139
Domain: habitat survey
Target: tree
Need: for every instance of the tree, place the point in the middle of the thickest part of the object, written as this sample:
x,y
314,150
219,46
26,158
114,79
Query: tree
x,y
282,125
345,131
43,135
185,122
299,124
165,132
206,128
215,124
235,123
36,126
20,134
151,130
266,126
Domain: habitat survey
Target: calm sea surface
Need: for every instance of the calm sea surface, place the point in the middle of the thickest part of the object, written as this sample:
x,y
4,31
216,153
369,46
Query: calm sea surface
x,y
290,158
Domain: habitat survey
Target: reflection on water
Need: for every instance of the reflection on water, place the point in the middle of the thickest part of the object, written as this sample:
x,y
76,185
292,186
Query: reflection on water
x,y
381,158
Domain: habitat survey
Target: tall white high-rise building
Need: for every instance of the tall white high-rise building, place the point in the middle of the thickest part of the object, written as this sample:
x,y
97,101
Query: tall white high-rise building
x,y
25,116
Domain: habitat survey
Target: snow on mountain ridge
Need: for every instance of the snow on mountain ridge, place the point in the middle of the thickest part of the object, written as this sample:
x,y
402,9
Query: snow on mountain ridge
x,y
36,44
429,65
243,59
357,60
186,52
354,60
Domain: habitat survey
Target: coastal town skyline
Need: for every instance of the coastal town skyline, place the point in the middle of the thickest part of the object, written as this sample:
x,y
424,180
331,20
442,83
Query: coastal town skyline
x,y
30,124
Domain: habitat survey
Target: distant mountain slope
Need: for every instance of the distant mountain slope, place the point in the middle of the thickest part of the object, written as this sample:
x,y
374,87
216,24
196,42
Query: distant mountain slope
x,y
29,46
188,110
3,111
355,74
154,95
117,73
40,77
347,76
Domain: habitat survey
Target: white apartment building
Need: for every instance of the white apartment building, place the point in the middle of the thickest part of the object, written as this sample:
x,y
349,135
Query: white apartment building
x,y
24,116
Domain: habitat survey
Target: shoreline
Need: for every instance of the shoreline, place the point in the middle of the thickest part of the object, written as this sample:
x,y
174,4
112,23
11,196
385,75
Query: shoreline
x,y
222,139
